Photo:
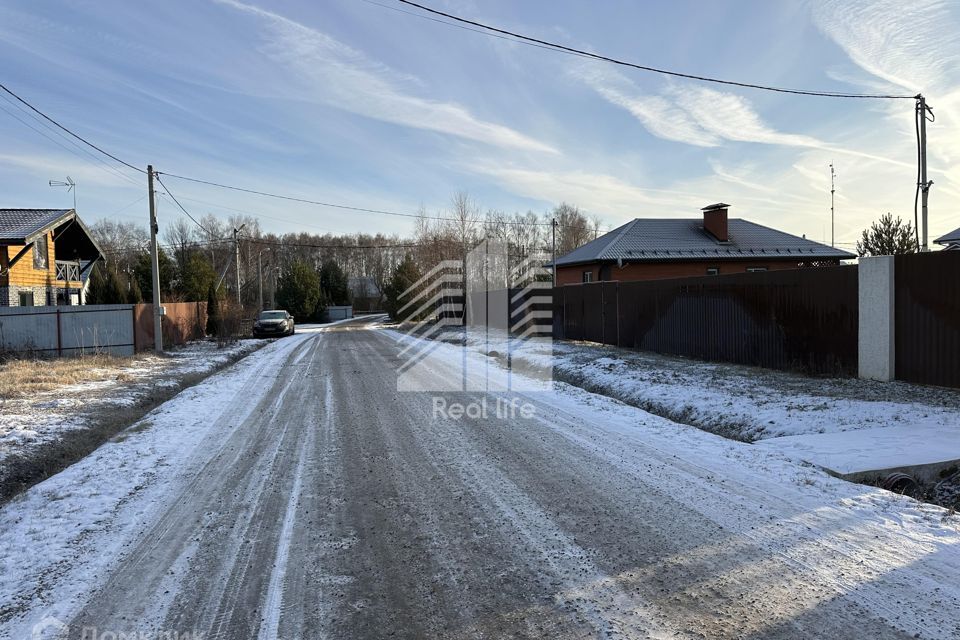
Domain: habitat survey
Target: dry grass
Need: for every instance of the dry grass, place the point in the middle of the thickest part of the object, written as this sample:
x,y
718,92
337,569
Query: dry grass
x,y
24,377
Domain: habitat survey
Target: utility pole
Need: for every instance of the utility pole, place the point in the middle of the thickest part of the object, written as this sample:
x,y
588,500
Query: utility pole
x,y
832,190
924,184
155,265
553,250
236,255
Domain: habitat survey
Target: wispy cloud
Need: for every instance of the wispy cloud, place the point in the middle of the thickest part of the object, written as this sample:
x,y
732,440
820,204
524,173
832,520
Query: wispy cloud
x,y
659,115
689,113
914,45
732,117
336,74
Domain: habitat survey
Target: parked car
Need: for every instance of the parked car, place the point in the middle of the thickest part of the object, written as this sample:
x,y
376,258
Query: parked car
x,y
273,323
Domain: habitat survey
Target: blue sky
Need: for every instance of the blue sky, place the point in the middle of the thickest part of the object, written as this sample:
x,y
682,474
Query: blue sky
x,y
350,102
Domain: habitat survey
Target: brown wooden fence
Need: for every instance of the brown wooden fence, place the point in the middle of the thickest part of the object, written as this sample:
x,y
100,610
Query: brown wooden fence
x,y
927,318
804,319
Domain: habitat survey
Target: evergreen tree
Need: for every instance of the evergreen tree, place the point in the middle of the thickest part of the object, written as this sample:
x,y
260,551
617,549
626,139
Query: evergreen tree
x,y
298,291
333,284
888,237
213,310
196,277
404,275
134,295
143,272
96,293
106,286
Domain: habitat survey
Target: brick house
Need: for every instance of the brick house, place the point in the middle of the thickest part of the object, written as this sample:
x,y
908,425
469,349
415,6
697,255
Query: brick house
x,y
657,248
44,257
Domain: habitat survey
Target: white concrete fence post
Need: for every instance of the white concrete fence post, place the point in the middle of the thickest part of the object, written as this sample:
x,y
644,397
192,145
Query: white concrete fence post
x,y
876,326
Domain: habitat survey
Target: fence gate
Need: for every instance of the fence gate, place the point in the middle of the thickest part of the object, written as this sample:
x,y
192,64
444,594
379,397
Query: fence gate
x,y
927,318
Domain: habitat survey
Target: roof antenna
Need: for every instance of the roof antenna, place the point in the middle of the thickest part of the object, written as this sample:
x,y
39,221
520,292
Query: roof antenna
x,y
70,185
832,190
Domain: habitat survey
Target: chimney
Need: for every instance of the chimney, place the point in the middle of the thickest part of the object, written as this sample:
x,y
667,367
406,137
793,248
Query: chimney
x,y
715,221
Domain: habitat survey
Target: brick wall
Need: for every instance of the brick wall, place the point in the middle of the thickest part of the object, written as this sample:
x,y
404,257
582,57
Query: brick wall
x,y
663,270
10,296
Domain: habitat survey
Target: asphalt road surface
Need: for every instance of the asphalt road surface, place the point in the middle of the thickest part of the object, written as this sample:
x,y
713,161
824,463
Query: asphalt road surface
x,y
341,508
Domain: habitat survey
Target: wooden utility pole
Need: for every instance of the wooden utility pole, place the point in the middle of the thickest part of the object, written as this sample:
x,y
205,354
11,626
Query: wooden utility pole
x,y
155,265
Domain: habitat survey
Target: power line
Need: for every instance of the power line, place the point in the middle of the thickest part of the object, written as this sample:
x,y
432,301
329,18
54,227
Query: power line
x,y
70,149
518,37
65,129
279,196
157,174
256,214
177,202
279,243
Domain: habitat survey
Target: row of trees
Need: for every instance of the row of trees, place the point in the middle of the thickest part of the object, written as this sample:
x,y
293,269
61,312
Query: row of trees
x,y
195,258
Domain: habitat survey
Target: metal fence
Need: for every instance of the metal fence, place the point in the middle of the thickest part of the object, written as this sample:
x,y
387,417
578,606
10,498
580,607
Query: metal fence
x,y
65,331
803,319
927,318
115,329
182,322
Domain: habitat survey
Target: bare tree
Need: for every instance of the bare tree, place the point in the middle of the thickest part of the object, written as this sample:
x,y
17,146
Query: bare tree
x,y
573,228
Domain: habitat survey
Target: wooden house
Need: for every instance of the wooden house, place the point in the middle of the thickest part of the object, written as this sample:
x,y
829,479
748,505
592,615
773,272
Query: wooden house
x,y
45,255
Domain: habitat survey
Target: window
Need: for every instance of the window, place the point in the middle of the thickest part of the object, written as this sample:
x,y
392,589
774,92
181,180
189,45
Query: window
x,y
40,253
26,298
588,276
756,269
713,271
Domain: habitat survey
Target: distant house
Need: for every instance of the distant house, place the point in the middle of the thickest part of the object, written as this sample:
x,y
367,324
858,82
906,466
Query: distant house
x,y
950,242
44,257
365,293
657,248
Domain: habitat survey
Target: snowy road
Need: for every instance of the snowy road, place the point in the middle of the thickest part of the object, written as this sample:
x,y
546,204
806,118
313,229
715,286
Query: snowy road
x,y
315,501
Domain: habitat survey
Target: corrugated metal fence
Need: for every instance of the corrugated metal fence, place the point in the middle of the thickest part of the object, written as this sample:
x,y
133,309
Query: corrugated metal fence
x,y
116,329
804,319
927,318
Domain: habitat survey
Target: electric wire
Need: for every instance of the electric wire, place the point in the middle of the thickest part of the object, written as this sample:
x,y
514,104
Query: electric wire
x,y
57,141
66,130
177,202
194,244
518,37
334,205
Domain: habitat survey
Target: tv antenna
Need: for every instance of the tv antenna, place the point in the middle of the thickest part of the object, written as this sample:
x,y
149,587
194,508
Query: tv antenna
x,y
70,185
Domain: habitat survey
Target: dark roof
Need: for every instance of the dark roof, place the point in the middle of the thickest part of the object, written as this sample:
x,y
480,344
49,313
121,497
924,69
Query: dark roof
x,y
664,239
23,226
951,238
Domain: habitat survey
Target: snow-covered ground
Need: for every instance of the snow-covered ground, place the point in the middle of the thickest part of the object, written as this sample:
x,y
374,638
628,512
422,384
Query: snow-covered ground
x,y
842,424
33,420
58,536
746,403
767,543
878,523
